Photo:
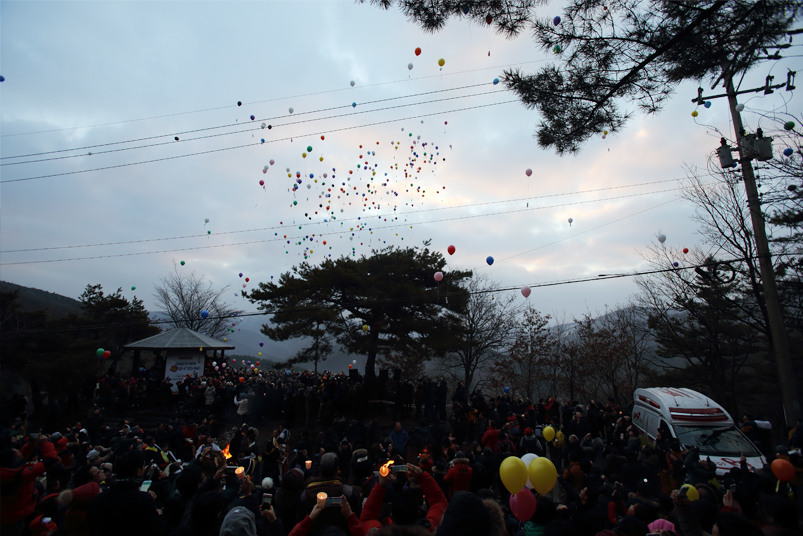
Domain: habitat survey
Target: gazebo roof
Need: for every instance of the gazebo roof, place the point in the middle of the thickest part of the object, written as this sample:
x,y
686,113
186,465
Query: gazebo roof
x,y
179,339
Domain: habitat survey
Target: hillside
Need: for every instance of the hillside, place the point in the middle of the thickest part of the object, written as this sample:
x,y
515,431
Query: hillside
x,y
33,299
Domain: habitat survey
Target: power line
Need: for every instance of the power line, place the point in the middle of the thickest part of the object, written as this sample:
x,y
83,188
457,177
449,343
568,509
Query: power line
x,y
468,205
210,151
392,226
270,100
171,135
366,303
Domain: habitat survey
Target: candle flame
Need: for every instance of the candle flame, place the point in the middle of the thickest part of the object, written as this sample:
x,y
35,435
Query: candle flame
x,y
226,452
385,469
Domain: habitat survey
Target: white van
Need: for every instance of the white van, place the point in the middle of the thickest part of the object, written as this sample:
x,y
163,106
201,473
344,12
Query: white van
x,y
696,421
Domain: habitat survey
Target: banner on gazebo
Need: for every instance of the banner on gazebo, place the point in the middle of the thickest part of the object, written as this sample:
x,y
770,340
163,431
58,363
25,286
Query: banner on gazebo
x,y
178,366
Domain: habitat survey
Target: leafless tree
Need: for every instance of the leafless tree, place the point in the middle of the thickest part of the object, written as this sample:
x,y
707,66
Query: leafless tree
x,y
183,296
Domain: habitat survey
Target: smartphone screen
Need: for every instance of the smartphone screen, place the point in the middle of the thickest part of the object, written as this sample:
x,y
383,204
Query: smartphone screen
x,y
145,486
231,469
398,469
267,498
334,501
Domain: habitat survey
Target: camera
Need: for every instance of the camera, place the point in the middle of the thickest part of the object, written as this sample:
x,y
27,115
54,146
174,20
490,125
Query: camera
x,y
333,501
398,469
267,499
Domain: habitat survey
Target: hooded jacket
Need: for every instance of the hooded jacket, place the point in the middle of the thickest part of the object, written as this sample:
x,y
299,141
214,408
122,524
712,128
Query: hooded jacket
x,y
239,521
459,475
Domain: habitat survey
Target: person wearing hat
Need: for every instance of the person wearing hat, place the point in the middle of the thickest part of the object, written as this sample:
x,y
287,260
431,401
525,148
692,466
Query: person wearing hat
x,y
459,475
330,483
529,444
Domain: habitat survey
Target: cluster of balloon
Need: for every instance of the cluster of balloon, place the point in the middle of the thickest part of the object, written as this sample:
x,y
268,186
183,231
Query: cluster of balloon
x,y
451,250
438,276
489,260
204,314
525,291
519,476
661,238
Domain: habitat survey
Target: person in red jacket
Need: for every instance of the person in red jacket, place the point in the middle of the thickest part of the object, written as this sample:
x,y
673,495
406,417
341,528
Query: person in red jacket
x,y
460,473
17,483
490,438
369,518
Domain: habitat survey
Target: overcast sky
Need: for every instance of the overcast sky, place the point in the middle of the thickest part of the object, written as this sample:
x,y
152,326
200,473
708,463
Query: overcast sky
x,y
83,74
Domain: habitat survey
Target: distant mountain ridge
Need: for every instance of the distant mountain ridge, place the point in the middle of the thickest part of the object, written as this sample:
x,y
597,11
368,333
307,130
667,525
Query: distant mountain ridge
x,y
34,299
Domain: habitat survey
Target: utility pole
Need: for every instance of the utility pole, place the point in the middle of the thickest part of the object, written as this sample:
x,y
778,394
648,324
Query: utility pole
x,y
778,336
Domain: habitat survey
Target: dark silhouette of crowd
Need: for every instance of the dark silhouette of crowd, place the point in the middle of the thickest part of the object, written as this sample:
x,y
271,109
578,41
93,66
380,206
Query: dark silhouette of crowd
x,y
247,452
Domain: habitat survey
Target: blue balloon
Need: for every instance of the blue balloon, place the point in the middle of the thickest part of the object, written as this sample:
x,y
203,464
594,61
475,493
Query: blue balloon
x,y
707,104
489,260
507,390
241,274
2,78
311,175
262,343
287,372
204,314
353,104
465,8
496,81
675,264
788,151
252,118
556,21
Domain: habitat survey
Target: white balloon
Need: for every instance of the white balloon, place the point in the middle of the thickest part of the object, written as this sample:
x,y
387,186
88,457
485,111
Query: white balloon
x,y
409,66
528,459
662,238
291,110
739,107
352,83
206,220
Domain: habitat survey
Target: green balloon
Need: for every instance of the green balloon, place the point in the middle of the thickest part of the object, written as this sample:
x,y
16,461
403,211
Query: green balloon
x,y
133,288
309,148
99,352
182,263
209,232
295,202
789,125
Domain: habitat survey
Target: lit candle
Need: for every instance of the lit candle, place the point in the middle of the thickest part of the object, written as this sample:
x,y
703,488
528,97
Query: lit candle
x,y
322,499
240,472
308,464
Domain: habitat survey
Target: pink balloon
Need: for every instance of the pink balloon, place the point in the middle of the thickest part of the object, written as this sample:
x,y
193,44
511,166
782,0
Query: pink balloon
x,y
528,172
522,504
438,276
525,291
271,161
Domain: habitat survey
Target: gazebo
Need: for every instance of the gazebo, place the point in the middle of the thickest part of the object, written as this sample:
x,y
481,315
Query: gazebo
x,y
186,351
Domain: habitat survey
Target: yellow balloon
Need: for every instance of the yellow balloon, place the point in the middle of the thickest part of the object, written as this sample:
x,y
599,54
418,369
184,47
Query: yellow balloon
x,y
691,492
260,353
303,155
441,62
694,113
543,475
224,339
513,473
365,327
321,159
549,433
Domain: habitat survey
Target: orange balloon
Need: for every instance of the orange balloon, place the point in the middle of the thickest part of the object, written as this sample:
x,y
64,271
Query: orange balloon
x,y
418,51
322,137
783,470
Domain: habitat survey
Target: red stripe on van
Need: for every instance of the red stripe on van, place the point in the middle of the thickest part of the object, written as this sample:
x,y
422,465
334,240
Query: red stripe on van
x,y
701,418
698,411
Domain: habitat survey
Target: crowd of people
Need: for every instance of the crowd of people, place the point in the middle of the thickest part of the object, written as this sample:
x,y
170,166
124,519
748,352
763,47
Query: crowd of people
x,y
248,452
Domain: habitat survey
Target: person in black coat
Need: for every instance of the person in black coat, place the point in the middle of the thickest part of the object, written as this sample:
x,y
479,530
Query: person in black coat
x,y
124,510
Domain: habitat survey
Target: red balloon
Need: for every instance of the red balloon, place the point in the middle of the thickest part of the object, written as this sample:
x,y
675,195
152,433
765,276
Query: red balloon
x,y
262,183
107,354
418,51
685,250
783,470
450,249
488,19
523,504
247,280
242,379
